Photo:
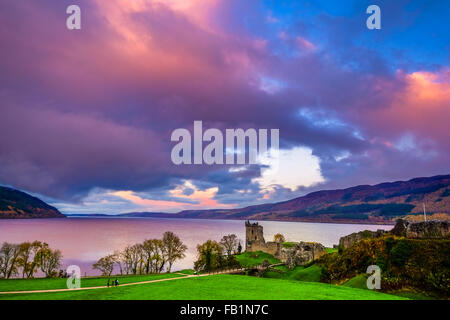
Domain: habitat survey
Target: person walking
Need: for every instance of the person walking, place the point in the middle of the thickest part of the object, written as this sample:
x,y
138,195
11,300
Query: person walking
x,y
117,282
107,284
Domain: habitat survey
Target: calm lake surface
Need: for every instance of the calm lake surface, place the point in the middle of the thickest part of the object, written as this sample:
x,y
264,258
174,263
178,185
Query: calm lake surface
x,y
84,240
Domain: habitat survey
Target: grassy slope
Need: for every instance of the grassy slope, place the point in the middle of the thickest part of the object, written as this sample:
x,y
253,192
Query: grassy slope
x,y
359,281
309,274
250,259
44,283
227,287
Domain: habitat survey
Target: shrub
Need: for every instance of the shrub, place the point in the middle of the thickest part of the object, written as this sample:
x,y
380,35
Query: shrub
x,y
418,263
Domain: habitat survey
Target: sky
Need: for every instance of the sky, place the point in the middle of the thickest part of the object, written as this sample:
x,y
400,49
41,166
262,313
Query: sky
x,y
86,115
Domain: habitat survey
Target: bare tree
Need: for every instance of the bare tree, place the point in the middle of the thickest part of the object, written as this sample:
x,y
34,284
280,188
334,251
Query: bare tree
x,y
9,256
117,258
229,243
132,256
173,248
152,255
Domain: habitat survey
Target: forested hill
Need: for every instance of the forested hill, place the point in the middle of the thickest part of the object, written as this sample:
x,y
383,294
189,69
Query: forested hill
x,y
15,204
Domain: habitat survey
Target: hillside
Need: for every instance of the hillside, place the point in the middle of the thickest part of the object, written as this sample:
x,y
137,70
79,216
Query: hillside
x,y
381,203
15,204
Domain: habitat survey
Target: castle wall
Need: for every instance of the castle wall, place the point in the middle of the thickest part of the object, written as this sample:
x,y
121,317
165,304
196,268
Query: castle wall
x,y
417,230
301,253
348,240
272,248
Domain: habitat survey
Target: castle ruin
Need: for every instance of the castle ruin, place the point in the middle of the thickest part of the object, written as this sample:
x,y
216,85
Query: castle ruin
x,y
298,253
255,241
432,229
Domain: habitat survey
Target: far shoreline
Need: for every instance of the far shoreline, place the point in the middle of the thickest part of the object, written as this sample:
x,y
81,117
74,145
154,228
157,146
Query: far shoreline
x,y
110,216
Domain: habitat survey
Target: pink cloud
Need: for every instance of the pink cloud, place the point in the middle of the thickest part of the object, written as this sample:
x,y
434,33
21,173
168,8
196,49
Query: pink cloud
x,y
198,199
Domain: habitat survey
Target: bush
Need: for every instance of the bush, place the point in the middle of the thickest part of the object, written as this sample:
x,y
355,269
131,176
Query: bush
x,y
400,253
405,263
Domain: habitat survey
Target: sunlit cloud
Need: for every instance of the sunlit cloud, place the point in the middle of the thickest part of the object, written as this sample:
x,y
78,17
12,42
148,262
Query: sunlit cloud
x,y
194,199
290,169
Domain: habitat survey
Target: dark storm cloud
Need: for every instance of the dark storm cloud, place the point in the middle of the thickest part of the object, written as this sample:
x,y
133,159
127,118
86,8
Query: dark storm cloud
x,y
96,108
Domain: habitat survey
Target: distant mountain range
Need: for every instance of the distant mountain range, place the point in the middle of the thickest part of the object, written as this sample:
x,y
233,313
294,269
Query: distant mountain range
x,y
381,203
15,204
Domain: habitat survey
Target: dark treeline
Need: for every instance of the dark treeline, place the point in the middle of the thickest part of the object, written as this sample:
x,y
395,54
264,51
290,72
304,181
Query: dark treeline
x,y
150,256
27,258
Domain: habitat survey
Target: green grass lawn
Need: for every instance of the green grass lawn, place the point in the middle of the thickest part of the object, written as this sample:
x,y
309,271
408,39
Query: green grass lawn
x,y
57,283
215,287
251,259
331,250
288,244
359,281
300,273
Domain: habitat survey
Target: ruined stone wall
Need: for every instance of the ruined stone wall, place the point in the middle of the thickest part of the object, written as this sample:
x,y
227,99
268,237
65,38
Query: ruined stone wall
x,y
301,253
432,229
419,230
349,240
272,248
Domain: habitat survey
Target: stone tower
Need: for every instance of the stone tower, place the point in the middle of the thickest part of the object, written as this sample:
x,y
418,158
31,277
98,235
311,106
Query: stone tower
x,y
253,235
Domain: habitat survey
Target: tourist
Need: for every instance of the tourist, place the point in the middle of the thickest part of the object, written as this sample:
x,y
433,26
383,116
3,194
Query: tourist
x,y
107,284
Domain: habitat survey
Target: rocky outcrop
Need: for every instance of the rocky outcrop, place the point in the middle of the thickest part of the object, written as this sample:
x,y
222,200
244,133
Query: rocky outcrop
x,y
301,253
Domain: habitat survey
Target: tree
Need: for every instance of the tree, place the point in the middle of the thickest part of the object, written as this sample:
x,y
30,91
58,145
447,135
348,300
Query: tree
x,y
153,256
279,238
117,258
229,243
209,256
105,265
173,248
25,257
49,260
9,255
132,257
29,258
36,247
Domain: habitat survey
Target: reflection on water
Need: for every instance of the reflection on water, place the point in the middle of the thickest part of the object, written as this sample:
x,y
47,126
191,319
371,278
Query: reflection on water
x,y
84,240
